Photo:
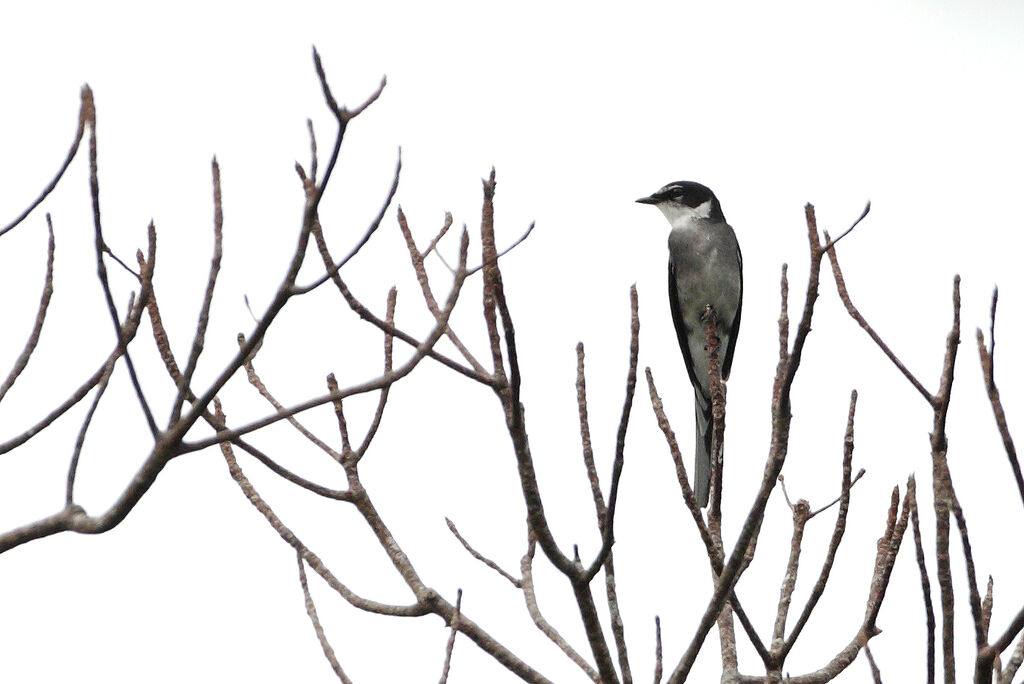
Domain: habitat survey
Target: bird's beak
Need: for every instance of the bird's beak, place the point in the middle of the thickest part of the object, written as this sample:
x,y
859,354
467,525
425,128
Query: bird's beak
x,y
648,200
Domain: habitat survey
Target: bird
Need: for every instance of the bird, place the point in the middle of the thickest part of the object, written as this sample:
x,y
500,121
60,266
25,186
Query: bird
x,y
705,268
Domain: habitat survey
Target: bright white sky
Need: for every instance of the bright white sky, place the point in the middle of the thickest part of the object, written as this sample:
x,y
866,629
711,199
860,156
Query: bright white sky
x,y
915,106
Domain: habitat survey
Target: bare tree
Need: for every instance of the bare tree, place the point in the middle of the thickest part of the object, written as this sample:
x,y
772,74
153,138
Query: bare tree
x,y
605,657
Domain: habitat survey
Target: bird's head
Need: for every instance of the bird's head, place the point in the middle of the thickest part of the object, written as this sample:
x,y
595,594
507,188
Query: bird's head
x,y
684,201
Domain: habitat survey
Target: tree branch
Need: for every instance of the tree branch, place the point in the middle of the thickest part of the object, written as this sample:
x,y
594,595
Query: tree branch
x,y
988,372
44,302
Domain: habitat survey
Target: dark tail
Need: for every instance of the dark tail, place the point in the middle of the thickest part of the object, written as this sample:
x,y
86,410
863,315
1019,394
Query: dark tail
x,y
702,460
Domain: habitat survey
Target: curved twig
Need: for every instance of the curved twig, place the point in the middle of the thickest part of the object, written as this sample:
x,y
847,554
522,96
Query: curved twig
x,y
44,302
86,115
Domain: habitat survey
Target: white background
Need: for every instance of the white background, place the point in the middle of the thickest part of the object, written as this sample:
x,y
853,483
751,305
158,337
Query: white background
x,y
582,108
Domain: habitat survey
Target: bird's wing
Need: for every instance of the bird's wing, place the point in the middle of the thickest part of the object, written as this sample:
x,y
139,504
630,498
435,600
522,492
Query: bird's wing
x,y
682,331
735,330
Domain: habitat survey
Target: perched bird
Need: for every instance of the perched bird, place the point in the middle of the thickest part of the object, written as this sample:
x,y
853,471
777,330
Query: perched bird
x,y
705,268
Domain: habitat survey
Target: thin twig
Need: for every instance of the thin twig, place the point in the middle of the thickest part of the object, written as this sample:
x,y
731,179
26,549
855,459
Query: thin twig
x,y
199,338
312,151
450,647
101,272
801,513
588,449
608,520
86,116
926,587
507,385
126,334
517,583
677,459
876,675
412,610
837,533
857,316
977,610
440,234
1013,664
986,609
829,244
339,412
618,629
332,269
343,116
657,650
498,255
256,382
317,627
69,491
1015,627
714,553
44,302
888,548
369,317
533,608
856,478
160,335
286,290
988,372
362,388
389,346
281,471
428,295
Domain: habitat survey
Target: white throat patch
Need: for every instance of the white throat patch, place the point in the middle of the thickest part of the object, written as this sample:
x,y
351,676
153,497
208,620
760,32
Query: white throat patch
x,y
680,215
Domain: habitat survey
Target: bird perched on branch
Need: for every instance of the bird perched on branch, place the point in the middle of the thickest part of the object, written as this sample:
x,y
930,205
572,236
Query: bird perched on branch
x,y
705,268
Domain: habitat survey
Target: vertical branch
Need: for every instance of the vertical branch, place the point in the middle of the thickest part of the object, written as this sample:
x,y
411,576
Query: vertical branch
x,y
389,346
199,338
608,519
533,608
888,546
450,647
726,627
712,343
588,449
783,330
508,390
988,372
926,587
657,650
801,514
942,486
837,532
339,412
507,386
606,514
986,609
977,611
491,284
